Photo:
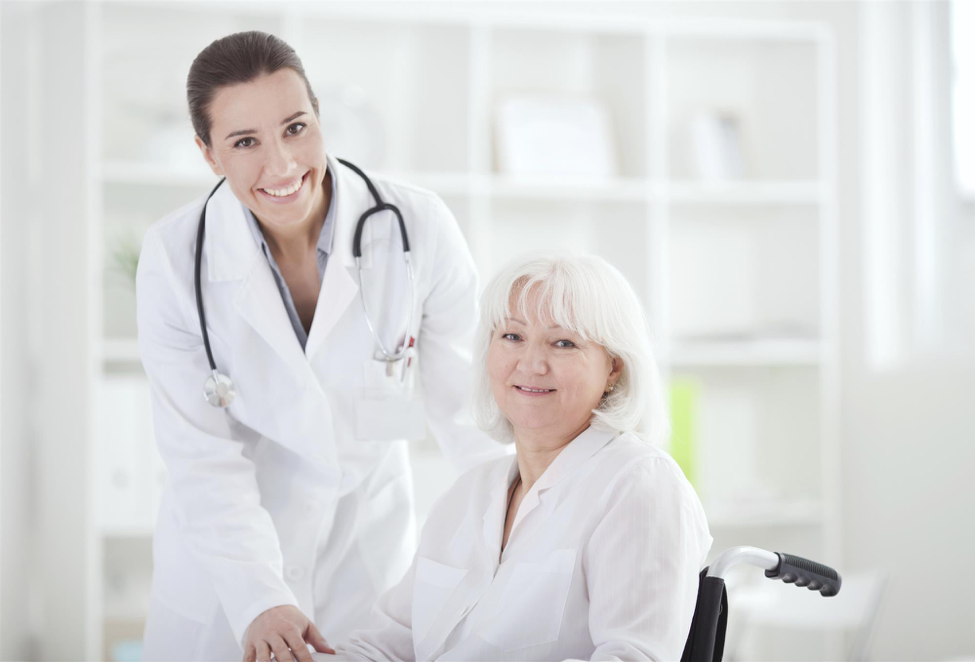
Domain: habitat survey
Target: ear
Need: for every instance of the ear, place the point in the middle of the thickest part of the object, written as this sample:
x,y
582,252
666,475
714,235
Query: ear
x,y
208,157
616,371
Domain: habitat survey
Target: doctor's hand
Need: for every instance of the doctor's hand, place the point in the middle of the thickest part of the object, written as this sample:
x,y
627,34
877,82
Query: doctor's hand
x,y
279,629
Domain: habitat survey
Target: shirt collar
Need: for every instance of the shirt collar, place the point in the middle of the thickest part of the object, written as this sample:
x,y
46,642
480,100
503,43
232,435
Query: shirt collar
x,y
575,453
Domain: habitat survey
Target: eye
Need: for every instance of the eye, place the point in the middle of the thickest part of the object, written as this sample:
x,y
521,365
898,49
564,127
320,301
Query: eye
x,y
295,129
510,336
564,343
241,143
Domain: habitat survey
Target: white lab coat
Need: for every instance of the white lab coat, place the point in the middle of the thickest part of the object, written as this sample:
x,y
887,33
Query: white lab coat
x,y
602,563
275,501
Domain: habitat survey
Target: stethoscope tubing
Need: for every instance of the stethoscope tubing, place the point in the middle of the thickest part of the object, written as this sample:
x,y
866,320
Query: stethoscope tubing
x,y
219,389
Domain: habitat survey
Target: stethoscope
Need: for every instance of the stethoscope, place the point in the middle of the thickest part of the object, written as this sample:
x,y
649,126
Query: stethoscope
x,y
218,389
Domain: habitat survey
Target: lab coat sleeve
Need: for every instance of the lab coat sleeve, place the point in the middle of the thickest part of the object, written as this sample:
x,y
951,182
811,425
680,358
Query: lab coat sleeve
x,y
642,564
389,631
446,334
213,484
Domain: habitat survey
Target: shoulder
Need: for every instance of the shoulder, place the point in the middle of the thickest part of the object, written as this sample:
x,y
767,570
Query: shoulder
x,y
165,270
405,192
174,235
422,208
472,487
634,469
481,478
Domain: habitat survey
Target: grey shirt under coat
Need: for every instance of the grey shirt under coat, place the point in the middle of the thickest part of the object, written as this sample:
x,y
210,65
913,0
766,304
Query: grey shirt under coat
x,y
324,248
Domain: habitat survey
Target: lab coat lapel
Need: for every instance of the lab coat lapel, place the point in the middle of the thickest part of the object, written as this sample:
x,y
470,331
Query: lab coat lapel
x,y
233,255
339,285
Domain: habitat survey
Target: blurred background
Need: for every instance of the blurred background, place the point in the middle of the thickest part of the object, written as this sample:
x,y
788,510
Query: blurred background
x,y
789,186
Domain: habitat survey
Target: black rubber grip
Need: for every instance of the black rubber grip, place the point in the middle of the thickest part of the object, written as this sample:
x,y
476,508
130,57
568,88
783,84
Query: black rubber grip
x,y
803,572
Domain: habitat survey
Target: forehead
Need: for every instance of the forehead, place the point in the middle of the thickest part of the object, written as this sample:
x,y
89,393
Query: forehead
x,y
535,307
266,99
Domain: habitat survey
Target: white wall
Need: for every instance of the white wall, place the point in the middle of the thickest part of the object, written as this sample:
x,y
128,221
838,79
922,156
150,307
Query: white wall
x,y
16,502
46,372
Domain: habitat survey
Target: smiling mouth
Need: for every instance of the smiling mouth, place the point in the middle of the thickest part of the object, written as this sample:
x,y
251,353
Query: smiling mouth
x,y
527,389
286,191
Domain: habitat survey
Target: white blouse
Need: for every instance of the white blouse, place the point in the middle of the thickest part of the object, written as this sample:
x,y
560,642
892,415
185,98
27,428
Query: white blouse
x,y
602,563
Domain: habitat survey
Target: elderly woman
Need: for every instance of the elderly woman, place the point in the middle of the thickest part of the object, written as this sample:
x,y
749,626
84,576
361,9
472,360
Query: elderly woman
x,y
588,543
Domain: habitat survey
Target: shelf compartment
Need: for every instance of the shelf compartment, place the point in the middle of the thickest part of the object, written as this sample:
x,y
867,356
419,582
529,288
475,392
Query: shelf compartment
x,y
130,475
745,273
769,86
571,64
144,114
754,440
128,211
384,108
572,227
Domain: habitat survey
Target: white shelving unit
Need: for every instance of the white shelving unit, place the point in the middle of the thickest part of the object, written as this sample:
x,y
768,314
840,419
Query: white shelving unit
x,y
739,277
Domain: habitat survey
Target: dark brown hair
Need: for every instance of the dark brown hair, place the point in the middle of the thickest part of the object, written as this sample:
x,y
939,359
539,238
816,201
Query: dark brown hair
x,y
234,59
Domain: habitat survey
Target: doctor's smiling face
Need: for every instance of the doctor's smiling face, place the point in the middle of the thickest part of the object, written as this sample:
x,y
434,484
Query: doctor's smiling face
x,y
546,379
266,140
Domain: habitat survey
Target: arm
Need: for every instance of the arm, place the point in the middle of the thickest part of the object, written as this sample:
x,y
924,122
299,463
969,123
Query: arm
x,y
642,564
446,334
214,488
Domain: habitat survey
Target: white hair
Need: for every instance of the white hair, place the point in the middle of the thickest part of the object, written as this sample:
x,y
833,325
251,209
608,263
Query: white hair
x,y
588,296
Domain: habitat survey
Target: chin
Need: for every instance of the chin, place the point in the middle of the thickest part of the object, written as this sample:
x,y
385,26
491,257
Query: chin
x,y
534,422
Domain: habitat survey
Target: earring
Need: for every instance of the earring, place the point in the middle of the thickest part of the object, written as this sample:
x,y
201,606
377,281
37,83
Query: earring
x,y
610,387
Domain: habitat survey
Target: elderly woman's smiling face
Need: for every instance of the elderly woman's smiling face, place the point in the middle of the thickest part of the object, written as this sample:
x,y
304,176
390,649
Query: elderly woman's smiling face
x,y
546,379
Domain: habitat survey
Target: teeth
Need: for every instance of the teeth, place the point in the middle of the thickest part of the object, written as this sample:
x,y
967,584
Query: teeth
x,y
535,390
283,192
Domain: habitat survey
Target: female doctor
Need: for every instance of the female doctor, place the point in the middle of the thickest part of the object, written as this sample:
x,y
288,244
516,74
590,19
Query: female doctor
x,y
287,373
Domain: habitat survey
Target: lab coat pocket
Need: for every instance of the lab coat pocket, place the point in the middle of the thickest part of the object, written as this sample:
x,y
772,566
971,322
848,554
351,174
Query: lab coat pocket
x,y
532,603
384,416
433,584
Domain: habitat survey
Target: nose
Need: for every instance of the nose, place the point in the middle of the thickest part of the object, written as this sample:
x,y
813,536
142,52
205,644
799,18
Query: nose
x,y
280,162
534,359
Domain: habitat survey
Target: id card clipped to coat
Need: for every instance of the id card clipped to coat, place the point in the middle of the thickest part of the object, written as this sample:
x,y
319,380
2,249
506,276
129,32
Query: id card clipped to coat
x,y
388,407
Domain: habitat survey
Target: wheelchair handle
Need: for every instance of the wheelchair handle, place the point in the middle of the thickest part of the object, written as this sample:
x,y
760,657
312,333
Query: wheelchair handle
x,y
803,572
790,569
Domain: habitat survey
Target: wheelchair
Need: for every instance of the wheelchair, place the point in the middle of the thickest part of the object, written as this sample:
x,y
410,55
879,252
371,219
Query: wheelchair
x,y
705,641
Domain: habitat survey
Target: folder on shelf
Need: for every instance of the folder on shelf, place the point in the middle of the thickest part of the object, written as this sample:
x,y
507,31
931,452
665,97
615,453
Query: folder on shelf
x,y
683,415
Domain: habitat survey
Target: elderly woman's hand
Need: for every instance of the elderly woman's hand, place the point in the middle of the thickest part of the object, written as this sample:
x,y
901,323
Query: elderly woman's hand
x,y
284,631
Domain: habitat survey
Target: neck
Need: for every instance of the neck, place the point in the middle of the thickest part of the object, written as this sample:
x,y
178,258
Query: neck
x,y
537,449
294,242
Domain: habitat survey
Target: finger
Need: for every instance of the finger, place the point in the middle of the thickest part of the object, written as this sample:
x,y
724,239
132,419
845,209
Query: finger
x,y
315,638
251,654
299,649
280,649
263,652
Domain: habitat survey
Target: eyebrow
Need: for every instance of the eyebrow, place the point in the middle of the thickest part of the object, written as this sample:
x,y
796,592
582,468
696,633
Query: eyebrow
x,y
243,132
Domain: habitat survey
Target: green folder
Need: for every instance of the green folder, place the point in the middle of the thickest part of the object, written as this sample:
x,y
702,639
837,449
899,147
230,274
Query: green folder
x,y
684,393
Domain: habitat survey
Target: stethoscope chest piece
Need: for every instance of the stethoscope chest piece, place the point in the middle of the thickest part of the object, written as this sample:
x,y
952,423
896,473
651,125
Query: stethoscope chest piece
x,y
219,390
